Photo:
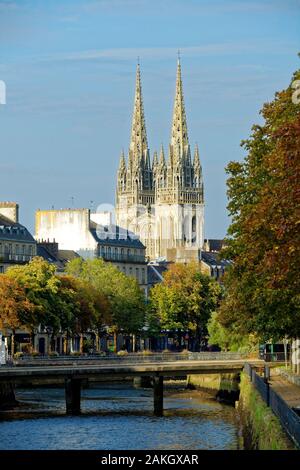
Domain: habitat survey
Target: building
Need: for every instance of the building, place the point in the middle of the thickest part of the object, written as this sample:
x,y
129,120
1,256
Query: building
x,y
162,200
17,245
156,270
213,245
76,230
50,252
213,264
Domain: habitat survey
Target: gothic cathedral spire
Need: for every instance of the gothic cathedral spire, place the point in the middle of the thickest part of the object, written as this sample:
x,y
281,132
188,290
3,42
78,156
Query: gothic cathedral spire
x,y
162,202
138,141
179,135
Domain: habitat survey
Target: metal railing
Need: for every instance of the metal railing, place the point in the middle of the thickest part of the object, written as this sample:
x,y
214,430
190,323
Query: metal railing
x,y
15,257
123,257
128,358
289,419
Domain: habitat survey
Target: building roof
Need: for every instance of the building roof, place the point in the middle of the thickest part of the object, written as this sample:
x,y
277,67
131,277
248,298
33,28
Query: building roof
x,y
115,235
215,244
44,253
60,260
213,259
14,231
155,272
67,255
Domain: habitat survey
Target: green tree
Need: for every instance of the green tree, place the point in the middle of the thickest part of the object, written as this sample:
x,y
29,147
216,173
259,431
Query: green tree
x,y
41,286
126,300
229,339
14,306
184,300
263,284
89,309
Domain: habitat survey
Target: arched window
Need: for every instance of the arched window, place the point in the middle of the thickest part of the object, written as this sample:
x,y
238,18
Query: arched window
x,y
194,229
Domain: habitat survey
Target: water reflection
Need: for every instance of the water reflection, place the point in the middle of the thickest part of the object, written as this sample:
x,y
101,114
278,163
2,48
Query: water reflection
x,y
118,416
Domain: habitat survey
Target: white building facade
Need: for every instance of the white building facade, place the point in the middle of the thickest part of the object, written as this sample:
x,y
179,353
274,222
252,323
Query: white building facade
x,y
91,235
162,200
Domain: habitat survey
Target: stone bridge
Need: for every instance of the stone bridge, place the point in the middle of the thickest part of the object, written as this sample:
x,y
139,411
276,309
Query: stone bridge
x,y
73,375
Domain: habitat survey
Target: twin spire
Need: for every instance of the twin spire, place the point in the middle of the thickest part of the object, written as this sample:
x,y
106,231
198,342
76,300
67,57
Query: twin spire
x,y
179,133
138,141
179,136
179,161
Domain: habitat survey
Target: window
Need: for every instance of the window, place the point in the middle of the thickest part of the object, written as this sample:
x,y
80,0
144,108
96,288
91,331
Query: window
x,y
194,227
143,276
137,274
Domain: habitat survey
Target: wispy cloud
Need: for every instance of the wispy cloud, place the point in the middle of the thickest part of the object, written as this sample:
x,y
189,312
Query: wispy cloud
x,y
170,52
205,6
7,5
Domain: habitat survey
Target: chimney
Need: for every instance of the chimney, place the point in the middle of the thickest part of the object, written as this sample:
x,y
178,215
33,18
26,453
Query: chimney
x,y
10,210
52,247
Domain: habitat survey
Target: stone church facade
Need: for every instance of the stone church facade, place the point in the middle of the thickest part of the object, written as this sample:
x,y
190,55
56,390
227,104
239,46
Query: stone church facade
x,y
161,199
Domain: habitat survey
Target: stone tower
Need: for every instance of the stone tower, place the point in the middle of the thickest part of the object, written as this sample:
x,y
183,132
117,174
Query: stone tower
x,y
162,202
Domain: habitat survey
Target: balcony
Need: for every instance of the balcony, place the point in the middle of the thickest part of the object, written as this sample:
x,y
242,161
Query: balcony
x,y
15,258
123,258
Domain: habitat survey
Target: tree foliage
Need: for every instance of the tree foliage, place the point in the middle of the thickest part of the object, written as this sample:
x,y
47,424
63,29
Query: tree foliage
x,y
125,299
184,300
232,339
41,298
263,284
14,305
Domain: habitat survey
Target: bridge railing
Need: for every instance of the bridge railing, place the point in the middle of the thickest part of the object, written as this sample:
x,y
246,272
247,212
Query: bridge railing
x,y
129,358
289,419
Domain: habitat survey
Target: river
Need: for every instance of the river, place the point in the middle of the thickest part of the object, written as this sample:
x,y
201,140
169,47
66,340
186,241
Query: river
x,y
118,416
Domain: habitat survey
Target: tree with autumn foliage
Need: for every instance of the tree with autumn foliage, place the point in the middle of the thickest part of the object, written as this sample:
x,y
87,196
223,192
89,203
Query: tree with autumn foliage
x,y
14,306
90,308
126,303
41,286
263,283
184,301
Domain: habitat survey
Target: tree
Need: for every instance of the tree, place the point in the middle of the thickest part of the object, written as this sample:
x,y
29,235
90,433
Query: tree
x,y
89,308
229,339
14,306
184,300
41,286
263,283
125,298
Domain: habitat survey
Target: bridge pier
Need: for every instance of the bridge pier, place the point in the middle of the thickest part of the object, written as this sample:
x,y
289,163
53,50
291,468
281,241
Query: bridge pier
x,y
144,381
72,393
158,395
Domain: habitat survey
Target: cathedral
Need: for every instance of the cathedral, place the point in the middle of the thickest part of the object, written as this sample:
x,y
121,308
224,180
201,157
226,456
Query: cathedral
x,y
161,199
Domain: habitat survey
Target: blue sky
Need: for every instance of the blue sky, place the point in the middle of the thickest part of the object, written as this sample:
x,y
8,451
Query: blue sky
x,y
69,69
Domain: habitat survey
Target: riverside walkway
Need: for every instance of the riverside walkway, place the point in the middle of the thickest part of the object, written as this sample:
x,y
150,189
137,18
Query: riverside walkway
x,y
289,392
73,375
